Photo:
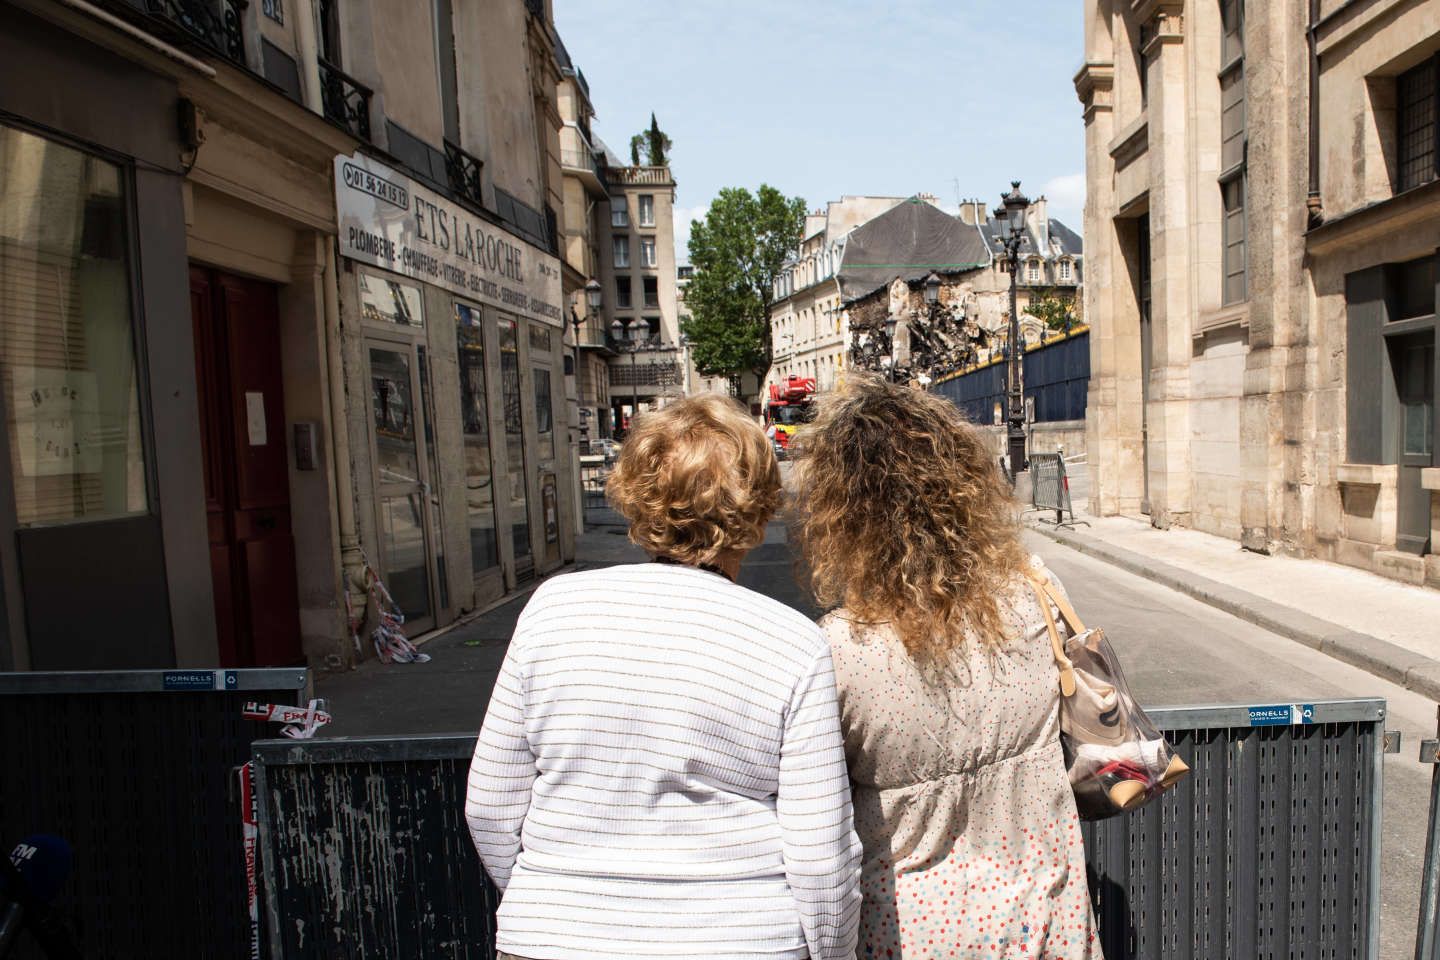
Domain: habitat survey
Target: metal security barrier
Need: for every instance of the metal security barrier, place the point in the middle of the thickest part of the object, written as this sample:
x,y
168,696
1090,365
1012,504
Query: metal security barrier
x,y
592,484
1427,938
135,770
1050,488
1268,850
365,851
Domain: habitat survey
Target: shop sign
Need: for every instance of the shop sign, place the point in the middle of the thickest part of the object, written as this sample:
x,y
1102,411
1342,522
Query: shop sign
x,y
389,221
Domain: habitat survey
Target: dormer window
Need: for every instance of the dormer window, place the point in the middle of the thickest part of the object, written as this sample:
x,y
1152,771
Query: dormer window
x,y
1032,270
1066,271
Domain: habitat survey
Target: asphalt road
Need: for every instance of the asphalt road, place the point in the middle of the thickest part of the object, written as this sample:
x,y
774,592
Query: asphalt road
x,y
1177,650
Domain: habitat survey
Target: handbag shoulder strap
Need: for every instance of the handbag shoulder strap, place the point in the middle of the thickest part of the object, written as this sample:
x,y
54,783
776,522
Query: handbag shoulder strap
x,y
1067,612
1044,592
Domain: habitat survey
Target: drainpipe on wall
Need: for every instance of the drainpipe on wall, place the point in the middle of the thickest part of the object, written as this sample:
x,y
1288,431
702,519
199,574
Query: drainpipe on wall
x,y
307,46
1314,209
352,560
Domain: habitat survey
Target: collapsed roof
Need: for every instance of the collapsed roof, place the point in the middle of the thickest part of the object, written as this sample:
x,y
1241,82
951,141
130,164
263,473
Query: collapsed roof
x,y
910,241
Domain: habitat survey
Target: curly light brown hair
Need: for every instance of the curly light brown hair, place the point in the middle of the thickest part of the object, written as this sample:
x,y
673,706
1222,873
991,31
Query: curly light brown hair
x,y
905,516
696,480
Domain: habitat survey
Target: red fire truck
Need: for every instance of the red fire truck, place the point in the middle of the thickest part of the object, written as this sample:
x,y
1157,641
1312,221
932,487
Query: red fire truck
x,y
792,404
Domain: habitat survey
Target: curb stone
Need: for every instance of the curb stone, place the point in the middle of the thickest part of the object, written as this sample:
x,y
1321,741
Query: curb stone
x,y
1384,659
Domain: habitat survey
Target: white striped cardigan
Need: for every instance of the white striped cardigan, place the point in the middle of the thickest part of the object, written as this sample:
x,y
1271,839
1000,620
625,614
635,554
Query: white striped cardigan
x,y
661,774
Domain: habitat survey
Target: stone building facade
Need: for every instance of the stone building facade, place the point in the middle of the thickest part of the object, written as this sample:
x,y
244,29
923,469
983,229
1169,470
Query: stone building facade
x,y
639,278
282,284
1262,230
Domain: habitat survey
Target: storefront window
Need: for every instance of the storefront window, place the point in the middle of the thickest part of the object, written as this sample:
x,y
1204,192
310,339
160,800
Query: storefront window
x,y
544,419
510,395
475,424
387,300
67,349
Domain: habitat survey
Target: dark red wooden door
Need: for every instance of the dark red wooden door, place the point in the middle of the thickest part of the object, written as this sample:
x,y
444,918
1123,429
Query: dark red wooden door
x,y
247,487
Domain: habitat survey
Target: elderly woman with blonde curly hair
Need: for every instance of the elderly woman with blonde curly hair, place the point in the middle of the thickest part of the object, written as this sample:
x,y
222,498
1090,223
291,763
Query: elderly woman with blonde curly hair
x,y
949,694
661,772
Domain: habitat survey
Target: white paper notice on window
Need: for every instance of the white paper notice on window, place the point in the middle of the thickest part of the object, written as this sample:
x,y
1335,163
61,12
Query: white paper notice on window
x,y
255,417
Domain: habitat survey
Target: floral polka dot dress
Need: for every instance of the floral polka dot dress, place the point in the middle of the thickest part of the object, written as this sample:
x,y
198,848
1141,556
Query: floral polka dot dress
x,y
972,843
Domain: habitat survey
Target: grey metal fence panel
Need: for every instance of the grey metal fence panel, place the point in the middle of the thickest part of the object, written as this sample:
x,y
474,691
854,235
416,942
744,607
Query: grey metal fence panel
x,y
365,851
1268,850
136,771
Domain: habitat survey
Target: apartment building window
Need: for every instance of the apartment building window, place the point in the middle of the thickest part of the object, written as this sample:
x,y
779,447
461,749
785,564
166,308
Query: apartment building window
x,y
1066,271
1233,141
651,330
647,210
621,250
1415,98
647,251
619,212
622,293
1032,271
1144,35
652,291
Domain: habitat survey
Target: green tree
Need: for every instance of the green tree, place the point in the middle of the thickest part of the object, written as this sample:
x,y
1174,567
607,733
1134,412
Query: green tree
x,y
1056,312
737,252
657,144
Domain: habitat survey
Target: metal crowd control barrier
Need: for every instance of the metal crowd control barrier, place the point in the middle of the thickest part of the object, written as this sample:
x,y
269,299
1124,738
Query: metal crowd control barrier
x,y
1268,850
1050,488
135,770
592,484
1427,938
365,852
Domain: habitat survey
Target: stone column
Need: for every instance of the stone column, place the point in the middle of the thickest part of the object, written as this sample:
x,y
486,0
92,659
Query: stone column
x,y
1094,84
1168,411
1277,413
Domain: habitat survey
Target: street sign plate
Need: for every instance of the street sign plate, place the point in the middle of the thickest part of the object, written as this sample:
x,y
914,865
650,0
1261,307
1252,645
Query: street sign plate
x,y
200,680
1281,715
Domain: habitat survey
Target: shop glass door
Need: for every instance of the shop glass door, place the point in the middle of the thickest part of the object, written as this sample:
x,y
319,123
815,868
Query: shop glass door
x,y
511,395
402,485
475,428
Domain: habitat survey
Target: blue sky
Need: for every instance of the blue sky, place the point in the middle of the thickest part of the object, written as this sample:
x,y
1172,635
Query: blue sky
x,y
824,99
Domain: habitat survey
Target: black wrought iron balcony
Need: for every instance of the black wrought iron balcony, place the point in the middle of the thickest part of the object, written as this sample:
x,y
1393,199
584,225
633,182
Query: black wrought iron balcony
x,y
345,99
213,23
463,170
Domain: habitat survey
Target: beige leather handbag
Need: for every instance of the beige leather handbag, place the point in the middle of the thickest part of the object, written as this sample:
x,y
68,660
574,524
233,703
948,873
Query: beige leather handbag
x,y
1116,758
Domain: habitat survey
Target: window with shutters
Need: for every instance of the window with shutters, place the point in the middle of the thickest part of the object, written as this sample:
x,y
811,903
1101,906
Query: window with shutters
x,y
1415,127
68,379
1233,142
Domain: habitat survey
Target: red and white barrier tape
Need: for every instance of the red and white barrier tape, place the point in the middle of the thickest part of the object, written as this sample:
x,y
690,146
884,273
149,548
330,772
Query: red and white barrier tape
x,y
300,723
391,644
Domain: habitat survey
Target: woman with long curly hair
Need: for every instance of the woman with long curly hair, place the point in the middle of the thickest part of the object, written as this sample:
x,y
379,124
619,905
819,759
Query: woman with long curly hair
x,y
948,689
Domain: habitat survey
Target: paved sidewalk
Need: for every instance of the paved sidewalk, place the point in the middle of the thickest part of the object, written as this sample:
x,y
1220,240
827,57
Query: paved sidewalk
x,y
449,694
1380,625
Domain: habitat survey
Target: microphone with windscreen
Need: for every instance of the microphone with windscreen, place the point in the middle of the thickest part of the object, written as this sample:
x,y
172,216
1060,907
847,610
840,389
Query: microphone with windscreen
x,y
30,879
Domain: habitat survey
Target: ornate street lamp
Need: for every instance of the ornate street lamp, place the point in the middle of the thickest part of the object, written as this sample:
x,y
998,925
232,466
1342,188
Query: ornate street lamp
x,y
619,332
592,308
1009,232
932,289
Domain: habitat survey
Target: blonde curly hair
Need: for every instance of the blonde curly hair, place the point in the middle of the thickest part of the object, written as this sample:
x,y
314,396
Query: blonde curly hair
x,y
696,479
905,516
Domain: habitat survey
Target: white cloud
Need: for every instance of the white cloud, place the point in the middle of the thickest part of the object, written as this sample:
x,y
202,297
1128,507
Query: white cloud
x,y
683,218
1067,199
